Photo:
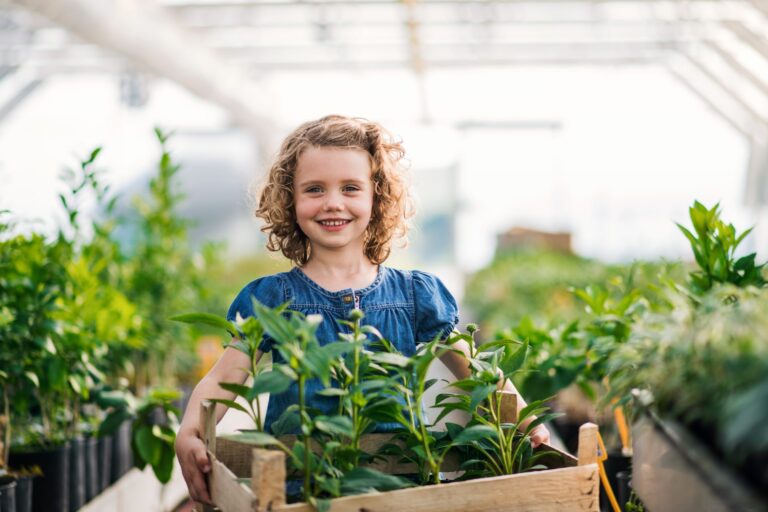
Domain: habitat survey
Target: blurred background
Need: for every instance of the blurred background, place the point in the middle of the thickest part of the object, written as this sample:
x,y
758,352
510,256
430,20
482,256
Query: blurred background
x,y
552,147
582,129
598,122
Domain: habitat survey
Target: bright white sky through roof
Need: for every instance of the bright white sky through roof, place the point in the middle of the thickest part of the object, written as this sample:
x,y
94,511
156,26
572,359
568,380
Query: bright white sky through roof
x,y
632,150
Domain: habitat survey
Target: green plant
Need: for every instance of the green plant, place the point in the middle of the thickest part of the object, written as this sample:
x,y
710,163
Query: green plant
x,y
374,384
634,504
497,443
705,366
325,453
164,275
714,246
32,277
154,424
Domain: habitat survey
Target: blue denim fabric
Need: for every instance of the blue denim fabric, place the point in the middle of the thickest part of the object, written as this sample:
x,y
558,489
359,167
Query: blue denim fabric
x,y
407,307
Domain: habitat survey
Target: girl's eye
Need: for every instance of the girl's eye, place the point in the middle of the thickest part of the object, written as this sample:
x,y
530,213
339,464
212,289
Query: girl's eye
x,y
351,188
313,190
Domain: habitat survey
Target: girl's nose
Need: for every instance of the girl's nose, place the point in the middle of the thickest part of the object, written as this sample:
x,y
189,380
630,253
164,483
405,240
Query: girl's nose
x,y
333,203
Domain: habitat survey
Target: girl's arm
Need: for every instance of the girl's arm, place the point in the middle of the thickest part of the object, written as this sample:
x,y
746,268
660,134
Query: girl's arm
x,y
232,366
457,364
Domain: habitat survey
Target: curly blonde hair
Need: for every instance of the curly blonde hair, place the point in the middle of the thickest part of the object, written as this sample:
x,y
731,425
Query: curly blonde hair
x,y
392,205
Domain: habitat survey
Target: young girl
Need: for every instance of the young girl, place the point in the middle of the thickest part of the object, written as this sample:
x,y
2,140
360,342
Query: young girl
x,y
332,203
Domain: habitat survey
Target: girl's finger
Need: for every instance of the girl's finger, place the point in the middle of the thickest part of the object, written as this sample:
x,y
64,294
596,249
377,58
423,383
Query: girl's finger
x,y
198,488
201,459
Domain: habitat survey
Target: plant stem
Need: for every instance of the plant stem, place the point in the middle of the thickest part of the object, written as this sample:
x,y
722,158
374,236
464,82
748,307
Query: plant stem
x,y
355,407
433,465
307,447
258,415
7,440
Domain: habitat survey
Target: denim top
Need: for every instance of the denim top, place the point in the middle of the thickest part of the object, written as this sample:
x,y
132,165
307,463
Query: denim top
x,y
407,307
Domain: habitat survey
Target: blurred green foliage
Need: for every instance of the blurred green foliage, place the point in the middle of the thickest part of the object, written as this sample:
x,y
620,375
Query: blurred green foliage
x,y
530,283
81,316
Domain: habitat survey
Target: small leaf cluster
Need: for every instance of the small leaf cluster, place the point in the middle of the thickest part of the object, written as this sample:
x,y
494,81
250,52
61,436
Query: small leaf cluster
x,y
492,442
714,245
154,421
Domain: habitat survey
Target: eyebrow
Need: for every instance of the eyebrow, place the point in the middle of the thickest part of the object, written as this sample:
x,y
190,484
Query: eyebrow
x,y
320,182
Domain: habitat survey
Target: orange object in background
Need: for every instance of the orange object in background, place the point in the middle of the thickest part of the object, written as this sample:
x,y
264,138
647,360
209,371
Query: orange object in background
x,y
209,350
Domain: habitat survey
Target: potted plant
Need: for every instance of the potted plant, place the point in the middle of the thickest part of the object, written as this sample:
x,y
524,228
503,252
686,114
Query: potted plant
x,y
336,454
698,375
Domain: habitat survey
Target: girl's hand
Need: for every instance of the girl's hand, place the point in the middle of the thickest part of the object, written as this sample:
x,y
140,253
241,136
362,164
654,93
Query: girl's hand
x,y
539,435
194,462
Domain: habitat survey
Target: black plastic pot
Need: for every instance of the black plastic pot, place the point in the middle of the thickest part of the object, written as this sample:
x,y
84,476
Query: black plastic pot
x,y
24,486
7,494
50,492
615,463
77,474
104,462
91,468
622,477
122,456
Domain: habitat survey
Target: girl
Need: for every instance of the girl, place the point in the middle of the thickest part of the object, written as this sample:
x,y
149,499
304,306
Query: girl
x,y
332,203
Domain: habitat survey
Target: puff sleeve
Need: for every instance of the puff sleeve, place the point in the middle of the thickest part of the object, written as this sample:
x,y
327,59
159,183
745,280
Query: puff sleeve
x,y
435,307
268,290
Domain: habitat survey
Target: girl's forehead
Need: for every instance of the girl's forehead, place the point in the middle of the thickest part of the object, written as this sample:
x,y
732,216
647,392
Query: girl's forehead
x,y
333,163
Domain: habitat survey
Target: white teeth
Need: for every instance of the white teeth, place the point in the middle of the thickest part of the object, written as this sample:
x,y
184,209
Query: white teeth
x,y
333,222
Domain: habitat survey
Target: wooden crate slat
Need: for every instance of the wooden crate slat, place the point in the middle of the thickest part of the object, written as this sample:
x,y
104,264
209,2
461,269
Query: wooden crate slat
x,y
226,492
557,490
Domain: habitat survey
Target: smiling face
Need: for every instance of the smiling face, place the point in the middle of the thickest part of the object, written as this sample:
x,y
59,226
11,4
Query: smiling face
x,y
333,197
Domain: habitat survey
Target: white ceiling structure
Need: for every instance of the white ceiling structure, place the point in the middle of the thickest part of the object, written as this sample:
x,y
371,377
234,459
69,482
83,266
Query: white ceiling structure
x,y
217,49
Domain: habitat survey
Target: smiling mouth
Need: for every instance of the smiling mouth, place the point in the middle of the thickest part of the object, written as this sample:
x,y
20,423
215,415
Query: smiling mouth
x,y
332,223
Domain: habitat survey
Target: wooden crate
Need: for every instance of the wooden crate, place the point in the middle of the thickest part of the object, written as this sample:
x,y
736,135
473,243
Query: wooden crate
x,y
574,486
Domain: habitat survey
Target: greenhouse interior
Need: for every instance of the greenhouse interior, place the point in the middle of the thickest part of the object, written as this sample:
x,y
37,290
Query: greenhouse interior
x,y
379,255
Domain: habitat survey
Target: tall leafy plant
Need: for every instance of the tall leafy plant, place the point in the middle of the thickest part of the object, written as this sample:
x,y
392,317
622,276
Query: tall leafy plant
x,y
496,441
714,244
32,277
164,275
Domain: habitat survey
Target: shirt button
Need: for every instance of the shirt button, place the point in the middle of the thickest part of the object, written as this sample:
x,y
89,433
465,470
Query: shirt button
x,y
347,298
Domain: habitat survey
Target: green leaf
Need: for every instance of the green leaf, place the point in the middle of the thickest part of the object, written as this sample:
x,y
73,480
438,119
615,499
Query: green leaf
x,y
49,346
269,382
513,361
277,326
447,408
113,421
206,319
164,467
116,399
288,422
475,433
362,480
337,349
230,403
148,446
74,383
32,378
252,438
390,358
237,389
745,262
341,425
332,392
479,394
490,345
742,237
